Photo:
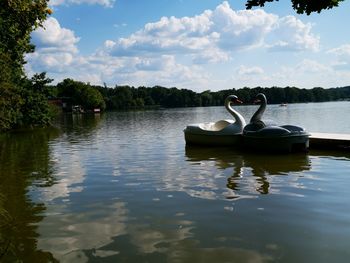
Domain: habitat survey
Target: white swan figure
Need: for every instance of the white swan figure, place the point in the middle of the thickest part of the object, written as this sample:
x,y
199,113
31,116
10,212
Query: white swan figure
x,y
217,133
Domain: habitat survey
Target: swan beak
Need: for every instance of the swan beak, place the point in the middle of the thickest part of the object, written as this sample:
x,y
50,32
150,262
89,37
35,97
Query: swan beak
x,y
256,101
239,101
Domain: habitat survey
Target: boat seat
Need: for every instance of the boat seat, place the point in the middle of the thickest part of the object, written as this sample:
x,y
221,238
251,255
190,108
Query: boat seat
x,y
217,126
293,128
271,131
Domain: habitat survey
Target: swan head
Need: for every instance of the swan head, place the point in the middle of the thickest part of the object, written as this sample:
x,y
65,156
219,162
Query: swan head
x,y
260,98
232,99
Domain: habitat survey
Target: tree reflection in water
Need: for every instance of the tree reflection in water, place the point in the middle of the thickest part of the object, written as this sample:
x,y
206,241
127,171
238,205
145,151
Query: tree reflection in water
x,y
24,159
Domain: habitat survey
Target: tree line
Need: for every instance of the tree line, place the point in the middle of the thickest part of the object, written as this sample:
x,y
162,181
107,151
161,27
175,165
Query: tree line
x,y
128,97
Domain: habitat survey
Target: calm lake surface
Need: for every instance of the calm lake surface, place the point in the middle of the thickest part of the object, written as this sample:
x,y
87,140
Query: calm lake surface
x,y
122,187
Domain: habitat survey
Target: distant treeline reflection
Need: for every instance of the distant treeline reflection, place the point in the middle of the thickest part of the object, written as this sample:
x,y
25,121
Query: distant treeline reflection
x,y
126,97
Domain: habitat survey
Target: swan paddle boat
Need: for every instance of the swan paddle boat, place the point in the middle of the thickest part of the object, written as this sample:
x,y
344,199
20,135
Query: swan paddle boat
x,y
268,136
220,133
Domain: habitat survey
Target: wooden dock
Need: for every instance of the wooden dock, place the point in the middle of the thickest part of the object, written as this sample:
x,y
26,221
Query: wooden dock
x,y
329,141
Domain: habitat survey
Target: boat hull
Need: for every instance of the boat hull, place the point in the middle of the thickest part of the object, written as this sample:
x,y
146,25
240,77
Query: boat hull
x,y
213,140
291,143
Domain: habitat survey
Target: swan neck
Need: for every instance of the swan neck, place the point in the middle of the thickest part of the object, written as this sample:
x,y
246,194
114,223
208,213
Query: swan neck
x,y
258,114
238,117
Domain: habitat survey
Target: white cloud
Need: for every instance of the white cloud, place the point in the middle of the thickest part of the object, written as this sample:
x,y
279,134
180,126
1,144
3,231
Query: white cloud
x,y
343,50
291,34
241,29
342,57
243,70
311,66
50,62
251,76
57,53
175,51
55,47
52,37
105,3
308,74
120,25
109,44
214,36
210,36
163,70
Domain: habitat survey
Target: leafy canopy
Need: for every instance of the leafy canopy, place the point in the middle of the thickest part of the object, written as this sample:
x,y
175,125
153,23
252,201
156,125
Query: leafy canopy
x,y
18,95
18,18
301,6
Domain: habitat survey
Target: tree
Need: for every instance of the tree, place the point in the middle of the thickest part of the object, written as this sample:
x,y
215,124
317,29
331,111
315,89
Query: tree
x,y
40,84
206,98
35,108
81,94
92,98
18,18
301,6
10,101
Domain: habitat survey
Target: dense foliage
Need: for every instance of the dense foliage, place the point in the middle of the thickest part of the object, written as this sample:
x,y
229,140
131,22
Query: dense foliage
x,y
127,97
18,95
301,6
81,94
10,101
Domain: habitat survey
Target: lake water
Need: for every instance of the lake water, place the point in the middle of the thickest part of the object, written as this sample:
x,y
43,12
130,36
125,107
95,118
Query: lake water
x,y
122,187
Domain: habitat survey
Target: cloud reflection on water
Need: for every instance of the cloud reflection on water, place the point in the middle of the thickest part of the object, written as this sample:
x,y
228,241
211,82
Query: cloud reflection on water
x,y
164,203
79,233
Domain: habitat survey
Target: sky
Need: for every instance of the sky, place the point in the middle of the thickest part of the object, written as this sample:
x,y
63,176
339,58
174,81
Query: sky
x,y
192,44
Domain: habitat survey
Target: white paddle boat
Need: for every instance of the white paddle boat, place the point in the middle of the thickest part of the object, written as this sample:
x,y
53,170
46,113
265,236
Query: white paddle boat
x,y
220,133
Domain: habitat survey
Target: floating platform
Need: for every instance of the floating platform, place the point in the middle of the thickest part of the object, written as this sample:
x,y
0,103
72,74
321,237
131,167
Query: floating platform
x,y
329,141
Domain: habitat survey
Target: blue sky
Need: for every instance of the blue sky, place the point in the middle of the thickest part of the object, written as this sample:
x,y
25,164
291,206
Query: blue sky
x,y
192,44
